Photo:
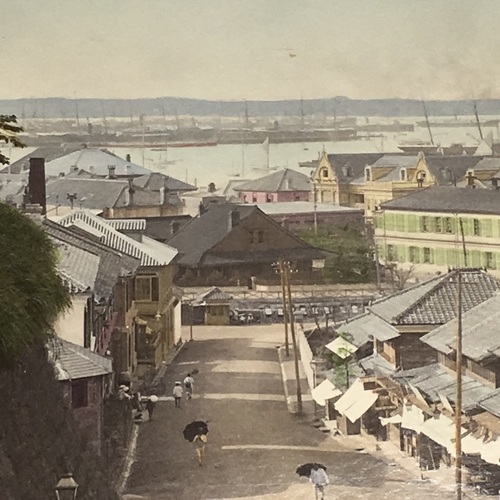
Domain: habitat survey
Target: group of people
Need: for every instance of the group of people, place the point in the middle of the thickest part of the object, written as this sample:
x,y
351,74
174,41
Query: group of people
x,y
138,403
179,391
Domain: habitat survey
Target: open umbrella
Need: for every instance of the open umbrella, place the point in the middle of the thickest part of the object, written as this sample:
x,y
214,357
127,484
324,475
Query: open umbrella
x,y
153,399
305,469
194,429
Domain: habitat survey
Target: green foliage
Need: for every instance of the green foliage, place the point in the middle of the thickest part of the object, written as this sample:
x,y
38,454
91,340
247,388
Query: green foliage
x,y
31,293
8,133
340,364
352,258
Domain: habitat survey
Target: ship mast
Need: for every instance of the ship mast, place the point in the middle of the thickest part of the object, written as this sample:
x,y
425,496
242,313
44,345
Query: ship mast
x,y
477,119
427,122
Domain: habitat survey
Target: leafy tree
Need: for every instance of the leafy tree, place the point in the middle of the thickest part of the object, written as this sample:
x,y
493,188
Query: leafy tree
x,y
351,259
31,293
9,130
340,362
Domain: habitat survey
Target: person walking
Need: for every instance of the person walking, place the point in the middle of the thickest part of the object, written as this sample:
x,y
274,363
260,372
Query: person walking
x,y
189,386
150,407
177,392
320,479
200,441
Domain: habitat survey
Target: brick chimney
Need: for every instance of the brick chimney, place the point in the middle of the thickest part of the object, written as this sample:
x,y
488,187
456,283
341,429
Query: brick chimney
x,y
36,184
127,158
112,171
129,193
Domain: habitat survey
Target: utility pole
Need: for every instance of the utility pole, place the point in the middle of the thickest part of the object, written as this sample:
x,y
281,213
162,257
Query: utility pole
x,y
294,337
285,308
315,211
458,402
460,221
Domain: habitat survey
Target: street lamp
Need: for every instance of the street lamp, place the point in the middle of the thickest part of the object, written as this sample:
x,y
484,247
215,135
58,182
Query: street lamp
x,y
66,488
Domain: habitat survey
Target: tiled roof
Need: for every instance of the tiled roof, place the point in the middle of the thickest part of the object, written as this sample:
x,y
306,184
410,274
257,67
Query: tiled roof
x,y
434,380
353,163
304,207
203,232
487,163
361,328
154,181
79,256
434,302
94,161
448,199
90,193
229,190
480,337
283,180
214,294
12,185
375,364
73,362
491,403
127,224
47,152
150,252
396,161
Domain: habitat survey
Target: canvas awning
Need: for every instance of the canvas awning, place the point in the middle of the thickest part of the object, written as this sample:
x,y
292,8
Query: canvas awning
x,y
356,401
341,347
490,452
412,418
325,391
395,419
441,430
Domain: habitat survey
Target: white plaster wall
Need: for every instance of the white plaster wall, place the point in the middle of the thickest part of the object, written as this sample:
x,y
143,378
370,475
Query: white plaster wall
x,y
70,325
177,323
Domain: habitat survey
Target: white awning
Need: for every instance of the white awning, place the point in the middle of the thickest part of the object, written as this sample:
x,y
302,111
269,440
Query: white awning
x,y
490,452
356,401
341,347
325,391
412,418
395,419
441,430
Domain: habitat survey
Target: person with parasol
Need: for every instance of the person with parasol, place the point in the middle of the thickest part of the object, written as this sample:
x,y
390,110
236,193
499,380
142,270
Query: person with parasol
x,y
196,432
317,475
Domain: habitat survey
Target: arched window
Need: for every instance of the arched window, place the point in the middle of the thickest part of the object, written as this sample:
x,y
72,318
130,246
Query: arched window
x,y
324,172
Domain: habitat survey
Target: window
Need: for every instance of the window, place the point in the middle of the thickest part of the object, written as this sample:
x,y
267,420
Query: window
x,y
368,174
252,236
438,225
146,288
413,254
391,253
359,198
448,225
79,396
254,198
488,260
175,227
260,236
402,174
477,227
425,224
427,256
324,172
269,198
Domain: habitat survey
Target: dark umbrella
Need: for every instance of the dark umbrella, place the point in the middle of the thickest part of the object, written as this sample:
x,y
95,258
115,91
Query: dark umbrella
x,y
194,429
305,469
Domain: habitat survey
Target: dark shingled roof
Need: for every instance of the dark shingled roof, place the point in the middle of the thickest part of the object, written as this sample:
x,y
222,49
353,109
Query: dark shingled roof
x,y
283,180
195,240
355,163
479,332
449,200
154,181
434,302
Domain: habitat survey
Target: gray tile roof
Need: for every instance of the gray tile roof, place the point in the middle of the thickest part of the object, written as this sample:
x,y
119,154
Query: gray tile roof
x,y
47,152
283,180
362,327
229,191
154,181
448,199
73,362
375,364
389,160
487,163
78,261
434,302
94,161
434,380
491,403
354,163
12,185
480,332
214,294
304,207
151,253
205,231
91,194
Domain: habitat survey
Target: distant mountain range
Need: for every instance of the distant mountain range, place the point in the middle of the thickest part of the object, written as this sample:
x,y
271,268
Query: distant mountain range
x,y
170,106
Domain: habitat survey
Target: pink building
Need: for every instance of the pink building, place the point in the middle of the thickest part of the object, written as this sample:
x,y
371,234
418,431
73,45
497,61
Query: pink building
x,y
284,185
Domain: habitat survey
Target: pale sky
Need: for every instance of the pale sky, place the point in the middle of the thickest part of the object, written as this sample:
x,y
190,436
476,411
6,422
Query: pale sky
x,y
240,49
